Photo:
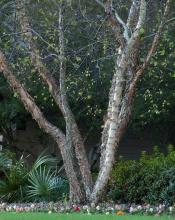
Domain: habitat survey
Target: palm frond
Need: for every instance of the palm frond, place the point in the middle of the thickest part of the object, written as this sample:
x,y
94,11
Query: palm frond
x,y
43,160
5,162
41,182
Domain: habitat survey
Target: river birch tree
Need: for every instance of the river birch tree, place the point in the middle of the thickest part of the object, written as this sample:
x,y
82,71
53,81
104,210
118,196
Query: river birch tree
x,y
128,41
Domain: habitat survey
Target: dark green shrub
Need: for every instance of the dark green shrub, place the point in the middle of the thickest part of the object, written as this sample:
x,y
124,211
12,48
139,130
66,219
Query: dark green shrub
x,y
151,179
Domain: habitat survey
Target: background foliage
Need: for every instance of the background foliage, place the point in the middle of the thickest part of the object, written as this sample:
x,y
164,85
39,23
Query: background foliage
x,y
149,180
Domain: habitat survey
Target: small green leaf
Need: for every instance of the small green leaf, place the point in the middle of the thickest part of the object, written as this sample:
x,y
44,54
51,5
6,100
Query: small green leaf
x,y
15,94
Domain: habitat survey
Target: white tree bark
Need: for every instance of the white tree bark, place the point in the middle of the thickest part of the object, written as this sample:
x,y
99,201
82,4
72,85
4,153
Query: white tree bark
x,y
124,83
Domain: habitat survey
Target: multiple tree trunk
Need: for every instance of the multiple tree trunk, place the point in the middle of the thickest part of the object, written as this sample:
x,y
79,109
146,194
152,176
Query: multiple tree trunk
x,y
127,73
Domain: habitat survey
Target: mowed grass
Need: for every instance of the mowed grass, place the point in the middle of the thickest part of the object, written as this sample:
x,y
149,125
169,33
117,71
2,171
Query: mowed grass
x,y
54,216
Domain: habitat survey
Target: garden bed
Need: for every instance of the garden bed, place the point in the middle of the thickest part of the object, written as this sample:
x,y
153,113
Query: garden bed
x,y
101,209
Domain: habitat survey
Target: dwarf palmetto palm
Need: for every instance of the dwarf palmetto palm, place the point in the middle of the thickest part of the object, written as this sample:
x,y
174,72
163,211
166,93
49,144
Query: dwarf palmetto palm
x,y
36,182
44,184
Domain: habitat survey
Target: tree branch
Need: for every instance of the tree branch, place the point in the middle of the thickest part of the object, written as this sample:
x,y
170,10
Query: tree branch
x,y
115,21
100,3
118,18
116,15
70,125
142,15
36,113
29,103
155,40
153,48
60,99
34,54
62,82
133,13
135,37
125,34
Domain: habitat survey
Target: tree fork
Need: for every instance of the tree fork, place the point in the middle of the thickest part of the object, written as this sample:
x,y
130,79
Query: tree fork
x,y
55,92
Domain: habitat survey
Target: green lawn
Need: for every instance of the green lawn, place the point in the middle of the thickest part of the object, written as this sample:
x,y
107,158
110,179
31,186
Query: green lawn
x,y
46,216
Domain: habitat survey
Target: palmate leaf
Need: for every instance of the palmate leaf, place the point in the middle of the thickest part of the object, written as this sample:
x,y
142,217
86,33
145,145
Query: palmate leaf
x,y
42,182
43,160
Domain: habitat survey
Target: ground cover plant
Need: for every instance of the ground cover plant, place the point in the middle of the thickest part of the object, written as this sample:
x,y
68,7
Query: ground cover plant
x,y
46,216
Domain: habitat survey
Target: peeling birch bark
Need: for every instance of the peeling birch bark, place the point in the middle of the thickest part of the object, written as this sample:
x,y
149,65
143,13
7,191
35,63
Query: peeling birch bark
x,y
123,87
